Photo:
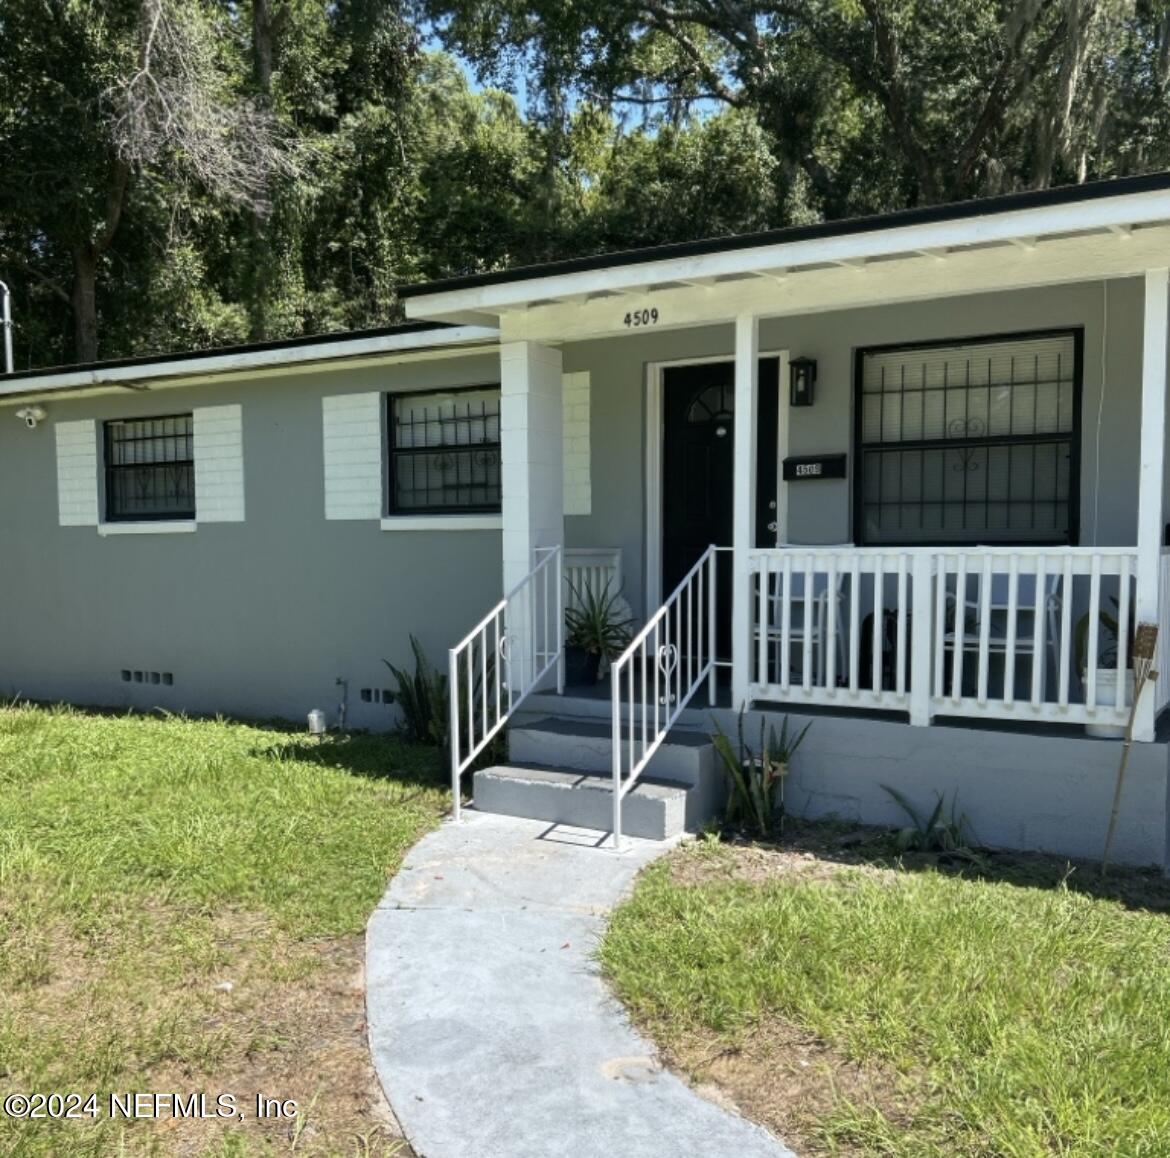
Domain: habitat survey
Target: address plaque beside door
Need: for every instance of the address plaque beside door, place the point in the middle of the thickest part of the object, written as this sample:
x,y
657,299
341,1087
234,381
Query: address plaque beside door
x,y
813,466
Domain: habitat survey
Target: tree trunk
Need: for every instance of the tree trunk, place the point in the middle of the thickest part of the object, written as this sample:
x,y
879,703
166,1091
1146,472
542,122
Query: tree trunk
x,y
86,256
263,53
84,303
262,46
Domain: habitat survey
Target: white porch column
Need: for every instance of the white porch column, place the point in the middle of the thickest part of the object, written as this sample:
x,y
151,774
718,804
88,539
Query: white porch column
x,y
1153,443
747,394
531,468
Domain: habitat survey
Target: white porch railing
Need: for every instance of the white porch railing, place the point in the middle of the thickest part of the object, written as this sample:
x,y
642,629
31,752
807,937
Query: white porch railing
x,y
654,679
1023,611
974,632
832,626
503,659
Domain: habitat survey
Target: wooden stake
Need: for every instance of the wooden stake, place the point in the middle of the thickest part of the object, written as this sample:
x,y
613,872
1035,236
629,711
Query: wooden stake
x,y
1145,643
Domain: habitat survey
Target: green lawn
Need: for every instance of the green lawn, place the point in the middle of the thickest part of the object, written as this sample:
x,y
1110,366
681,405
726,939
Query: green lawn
x,y
1006,1015
181,904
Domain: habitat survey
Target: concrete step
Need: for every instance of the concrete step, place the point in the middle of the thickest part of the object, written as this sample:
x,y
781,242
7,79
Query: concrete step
x,y
652,809
561,769
585,745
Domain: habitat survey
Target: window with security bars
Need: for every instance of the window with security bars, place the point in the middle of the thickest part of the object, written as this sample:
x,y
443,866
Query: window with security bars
x,y
445,452
150,469
969,442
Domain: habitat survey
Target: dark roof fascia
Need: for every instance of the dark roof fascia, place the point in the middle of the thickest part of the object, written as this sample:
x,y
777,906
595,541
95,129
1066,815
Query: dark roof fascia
x,y
338,338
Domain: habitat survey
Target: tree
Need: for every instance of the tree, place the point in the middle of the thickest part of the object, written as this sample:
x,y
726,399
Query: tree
x,y
874,103
703,178
104,102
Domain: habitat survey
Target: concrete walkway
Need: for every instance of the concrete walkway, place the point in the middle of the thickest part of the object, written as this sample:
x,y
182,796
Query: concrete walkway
x,y
492,1033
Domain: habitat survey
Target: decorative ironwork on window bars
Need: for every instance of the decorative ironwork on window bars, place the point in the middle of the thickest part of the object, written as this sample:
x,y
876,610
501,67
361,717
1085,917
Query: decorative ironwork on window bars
x,y
969,442
445,452
150,469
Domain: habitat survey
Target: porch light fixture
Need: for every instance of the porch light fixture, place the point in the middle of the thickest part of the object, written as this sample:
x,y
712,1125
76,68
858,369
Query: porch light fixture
x,y
802,376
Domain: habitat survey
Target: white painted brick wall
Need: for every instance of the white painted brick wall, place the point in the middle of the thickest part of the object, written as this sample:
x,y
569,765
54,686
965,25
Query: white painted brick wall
x,y
77,473
352,425
578,481
219,464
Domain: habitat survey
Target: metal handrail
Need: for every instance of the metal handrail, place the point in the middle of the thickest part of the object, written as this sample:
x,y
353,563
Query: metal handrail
x,y
513,648
685,620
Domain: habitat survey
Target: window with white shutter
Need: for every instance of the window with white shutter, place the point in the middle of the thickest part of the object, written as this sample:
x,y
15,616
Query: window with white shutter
x,y
969,442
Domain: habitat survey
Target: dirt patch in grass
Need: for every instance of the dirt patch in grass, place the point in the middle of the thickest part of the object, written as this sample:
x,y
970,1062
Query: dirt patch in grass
x,y
227,1004
309,1044
787,1080
820,851
810,854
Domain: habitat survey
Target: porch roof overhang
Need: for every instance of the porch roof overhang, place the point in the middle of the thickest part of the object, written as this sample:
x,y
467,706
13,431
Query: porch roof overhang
x,y
1105,229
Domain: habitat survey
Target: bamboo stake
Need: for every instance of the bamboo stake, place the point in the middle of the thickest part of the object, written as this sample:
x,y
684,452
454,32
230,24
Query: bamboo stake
x,y
1144,645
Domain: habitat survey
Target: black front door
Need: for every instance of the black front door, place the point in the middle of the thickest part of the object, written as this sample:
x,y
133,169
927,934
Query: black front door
x,y
698,459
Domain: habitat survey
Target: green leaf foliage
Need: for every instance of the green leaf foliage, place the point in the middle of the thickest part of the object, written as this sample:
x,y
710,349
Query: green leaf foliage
x,y
559,130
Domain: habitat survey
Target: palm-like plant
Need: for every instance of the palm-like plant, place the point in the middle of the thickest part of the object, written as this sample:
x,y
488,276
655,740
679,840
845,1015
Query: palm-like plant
x,y
597,624
756,796
942,831
422,698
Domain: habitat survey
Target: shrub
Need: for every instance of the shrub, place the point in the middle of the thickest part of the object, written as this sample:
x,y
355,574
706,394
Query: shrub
x,y
941,831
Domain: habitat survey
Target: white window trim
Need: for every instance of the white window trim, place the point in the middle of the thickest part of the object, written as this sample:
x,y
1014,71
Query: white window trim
x,y
158,527
487,522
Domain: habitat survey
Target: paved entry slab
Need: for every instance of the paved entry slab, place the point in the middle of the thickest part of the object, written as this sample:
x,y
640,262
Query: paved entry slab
x,y
491,1030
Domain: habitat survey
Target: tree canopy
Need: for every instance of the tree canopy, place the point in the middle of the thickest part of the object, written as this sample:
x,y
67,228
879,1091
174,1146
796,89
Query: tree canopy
x,y
181,174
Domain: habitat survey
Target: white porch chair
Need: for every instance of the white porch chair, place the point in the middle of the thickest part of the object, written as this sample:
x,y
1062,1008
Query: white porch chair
x,y
593,569
998,609
802,624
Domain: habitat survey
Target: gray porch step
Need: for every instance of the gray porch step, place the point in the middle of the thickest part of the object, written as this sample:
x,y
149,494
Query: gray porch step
x,y
586,745
654,810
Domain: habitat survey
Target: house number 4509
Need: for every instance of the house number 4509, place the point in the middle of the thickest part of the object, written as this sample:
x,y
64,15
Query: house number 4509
x,y
636,318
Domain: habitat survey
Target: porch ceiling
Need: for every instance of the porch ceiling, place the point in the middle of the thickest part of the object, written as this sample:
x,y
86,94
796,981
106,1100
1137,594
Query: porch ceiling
x,y
1079,240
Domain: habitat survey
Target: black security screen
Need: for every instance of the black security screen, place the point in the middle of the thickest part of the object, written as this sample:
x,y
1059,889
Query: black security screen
x,y
445,452
972,442
150,469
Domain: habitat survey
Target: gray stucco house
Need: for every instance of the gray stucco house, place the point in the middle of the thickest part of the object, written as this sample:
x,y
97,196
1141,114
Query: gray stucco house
x,y
897,473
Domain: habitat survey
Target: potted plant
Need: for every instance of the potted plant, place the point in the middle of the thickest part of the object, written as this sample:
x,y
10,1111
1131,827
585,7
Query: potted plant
x,y
596,628
1106,661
